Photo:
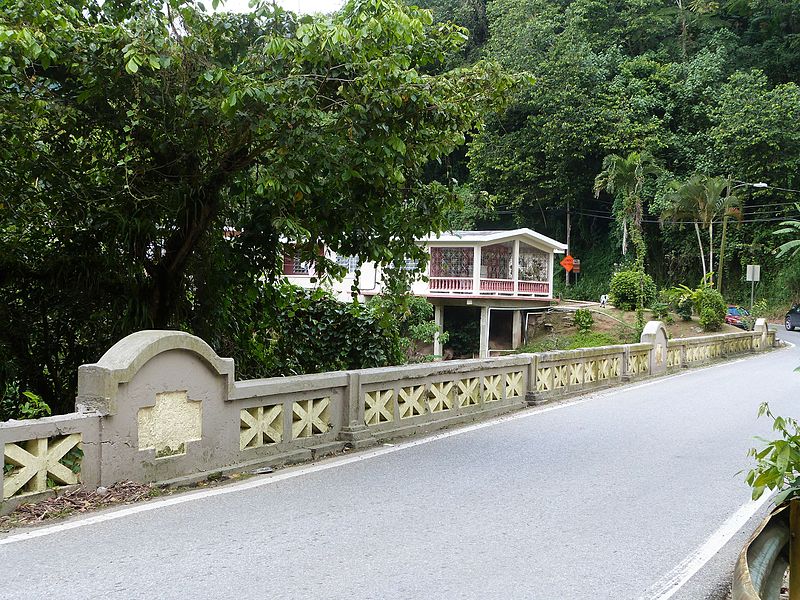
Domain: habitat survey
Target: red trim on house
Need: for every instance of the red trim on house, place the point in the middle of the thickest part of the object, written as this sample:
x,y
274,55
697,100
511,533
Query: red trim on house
x,y
480,297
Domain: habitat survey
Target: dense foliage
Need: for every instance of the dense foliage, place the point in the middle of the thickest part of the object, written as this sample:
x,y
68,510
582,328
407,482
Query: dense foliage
x,y
583,320
630,289
312,332
777,464
707,90
711,307
157,160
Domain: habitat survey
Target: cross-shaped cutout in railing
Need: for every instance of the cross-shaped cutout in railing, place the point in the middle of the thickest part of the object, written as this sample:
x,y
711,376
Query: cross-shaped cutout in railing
x,y
170,423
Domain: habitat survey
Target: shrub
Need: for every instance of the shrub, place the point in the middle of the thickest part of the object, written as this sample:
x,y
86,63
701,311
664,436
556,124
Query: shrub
x,y
684,308
312,332
627,287
760,309
583,320
711,307
26,405
465,338
660,310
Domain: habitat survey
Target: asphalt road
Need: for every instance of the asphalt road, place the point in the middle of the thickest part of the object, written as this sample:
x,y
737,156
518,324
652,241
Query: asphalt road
x,y
602,498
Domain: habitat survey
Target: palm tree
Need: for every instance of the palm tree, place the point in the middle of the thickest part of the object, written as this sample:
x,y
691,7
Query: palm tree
x,y
701,200
624,177
791,247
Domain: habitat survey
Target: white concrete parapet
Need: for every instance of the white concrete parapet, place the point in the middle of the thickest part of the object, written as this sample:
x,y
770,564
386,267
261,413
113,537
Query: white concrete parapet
x,y
161,406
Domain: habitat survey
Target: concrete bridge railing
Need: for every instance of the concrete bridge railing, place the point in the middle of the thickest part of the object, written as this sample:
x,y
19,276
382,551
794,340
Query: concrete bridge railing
x,y
161,406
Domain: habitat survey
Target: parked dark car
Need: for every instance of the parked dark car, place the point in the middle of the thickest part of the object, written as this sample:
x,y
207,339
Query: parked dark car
x,y
793,317
737,316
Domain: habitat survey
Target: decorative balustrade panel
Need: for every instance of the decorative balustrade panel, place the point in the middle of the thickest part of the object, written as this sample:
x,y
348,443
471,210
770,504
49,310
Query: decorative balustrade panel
x,y
379,407
311,417
639,363
35,465
279,420
260,426
429,394
469,392
574,370
275,417
674,357
41,455
698,350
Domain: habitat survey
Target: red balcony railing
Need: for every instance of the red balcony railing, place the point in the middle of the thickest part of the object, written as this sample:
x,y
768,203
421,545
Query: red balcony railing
x,y
463,285
451,284
538,288
497,285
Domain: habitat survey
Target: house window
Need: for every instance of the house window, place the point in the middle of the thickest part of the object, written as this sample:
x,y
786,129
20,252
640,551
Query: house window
x,y
452,262
299,267
496,261
410,264
533,264
350,263
294,265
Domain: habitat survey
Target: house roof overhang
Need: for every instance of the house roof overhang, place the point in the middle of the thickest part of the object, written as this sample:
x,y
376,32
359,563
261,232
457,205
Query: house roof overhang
x,y
482,238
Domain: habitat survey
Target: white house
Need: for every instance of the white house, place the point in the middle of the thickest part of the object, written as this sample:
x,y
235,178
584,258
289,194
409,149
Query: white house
x,y
501,274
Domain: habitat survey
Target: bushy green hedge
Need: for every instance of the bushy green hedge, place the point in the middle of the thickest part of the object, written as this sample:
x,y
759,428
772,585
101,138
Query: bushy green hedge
x,y
627,286
583,320
314,332
711,307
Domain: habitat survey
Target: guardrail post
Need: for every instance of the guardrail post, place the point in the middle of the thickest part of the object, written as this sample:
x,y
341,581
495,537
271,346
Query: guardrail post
x,y
530,394
354,431
624,375
761,328
655,334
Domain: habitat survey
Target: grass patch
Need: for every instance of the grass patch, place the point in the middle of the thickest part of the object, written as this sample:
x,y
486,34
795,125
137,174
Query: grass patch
x,y
589,339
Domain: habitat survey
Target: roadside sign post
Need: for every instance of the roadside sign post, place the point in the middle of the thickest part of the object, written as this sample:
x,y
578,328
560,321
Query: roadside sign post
x,y
753,275
568,263
576,268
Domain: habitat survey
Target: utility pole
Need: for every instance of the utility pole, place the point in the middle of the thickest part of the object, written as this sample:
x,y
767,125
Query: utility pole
x,y
568,230
724,231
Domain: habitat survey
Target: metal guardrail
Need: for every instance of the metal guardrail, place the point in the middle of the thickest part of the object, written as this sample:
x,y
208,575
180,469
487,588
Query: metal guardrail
x,y
762,564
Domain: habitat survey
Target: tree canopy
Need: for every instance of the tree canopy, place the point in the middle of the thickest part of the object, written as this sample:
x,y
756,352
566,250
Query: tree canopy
x,y
158,159
706,88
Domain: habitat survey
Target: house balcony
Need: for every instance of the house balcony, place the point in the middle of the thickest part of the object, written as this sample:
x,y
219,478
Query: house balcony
x,y
488,287
511,270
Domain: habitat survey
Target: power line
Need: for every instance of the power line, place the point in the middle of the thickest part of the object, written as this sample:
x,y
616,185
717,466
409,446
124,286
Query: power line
x,y
770,220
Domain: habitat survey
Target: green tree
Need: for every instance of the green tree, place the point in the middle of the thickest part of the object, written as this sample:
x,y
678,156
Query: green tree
x,y
137,134
792,247
624,178
702,201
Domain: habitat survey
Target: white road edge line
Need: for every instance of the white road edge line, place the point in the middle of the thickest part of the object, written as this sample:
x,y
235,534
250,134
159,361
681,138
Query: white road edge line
x,y
289,473
292,472
674,580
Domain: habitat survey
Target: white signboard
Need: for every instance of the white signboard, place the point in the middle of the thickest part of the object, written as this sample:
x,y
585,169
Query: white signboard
x,y
753,273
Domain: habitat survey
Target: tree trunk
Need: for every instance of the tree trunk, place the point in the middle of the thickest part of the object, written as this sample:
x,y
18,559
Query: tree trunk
x,y
722,252
200,209
167,274
684,28
702,254
711,251
624,236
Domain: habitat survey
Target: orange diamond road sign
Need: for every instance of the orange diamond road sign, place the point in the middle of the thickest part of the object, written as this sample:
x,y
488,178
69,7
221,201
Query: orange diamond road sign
x,y
567,262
